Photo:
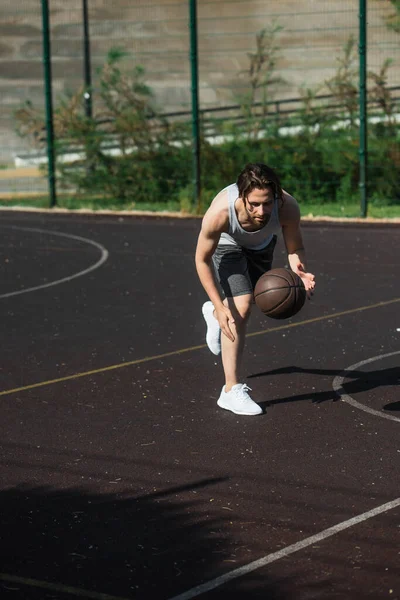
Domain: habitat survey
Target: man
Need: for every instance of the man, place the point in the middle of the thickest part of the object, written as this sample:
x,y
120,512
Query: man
x,y
235,247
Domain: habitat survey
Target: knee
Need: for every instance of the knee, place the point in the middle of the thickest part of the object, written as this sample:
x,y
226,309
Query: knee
x,y
241,311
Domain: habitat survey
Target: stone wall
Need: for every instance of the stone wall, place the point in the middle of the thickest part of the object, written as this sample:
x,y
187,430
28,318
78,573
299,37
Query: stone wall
x,y
155,34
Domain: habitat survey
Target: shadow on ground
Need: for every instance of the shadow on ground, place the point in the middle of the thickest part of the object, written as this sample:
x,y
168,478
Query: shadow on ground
x,y
59,544
358,381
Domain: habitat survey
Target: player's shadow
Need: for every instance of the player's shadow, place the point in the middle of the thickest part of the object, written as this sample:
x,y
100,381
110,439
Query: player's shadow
x,y
392,406
354,382
71,542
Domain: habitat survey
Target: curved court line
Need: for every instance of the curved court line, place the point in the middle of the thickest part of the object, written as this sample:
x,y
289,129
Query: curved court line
x,y
338,383
270,558
191,349
103,258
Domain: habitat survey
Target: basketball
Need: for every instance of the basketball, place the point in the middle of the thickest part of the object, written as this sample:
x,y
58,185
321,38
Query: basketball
x,y
280,293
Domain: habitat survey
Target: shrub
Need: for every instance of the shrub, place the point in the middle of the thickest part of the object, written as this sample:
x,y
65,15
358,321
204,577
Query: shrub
x,y
153,162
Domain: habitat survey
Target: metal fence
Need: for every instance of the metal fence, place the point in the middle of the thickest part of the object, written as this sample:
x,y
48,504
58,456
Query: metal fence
x,y
306,39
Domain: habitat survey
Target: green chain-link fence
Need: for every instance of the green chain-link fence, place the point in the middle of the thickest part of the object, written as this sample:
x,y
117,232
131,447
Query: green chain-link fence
x,y
272,54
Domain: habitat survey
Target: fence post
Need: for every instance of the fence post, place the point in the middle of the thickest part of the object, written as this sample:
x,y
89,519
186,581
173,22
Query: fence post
x,y
195,102
87,73
363,150
49,101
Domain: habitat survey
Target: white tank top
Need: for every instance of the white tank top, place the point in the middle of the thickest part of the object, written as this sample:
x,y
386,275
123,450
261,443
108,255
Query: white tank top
x,y
237,236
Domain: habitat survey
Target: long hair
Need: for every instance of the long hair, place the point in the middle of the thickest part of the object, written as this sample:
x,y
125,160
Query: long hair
x,y
257,176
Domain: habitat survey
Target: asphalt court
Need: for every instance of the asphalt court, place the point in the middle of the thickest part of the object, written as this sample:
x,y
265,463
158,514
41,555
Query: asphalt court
x,y
120,476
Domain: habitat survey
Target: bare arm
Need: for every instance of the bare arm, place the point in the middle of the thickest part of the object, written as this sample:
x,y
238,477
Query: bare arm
x,y
290,221
206,245
215,222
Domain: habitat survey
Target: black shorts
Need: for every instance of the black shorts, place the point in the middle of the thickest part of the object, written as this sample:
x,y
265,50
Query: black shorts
x,y
238,269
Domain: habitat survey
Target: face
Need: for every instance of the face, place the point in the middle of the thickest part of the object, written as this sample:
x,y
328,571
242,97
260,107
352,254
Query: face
x,y
259,205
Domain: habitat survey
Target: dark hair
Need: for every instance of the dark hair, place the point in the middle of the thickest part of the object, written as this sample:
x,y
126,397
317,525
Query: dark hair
x,y
257,176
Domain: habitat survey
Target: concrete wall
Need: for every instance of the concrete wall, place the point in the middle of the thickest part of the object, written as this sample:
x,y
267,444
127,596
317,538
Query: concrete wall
x,y
155,34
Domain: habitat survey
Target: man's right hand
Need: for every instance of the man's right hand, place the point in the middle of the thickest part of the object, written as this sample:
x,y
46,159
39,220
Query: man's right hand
x,y
225,320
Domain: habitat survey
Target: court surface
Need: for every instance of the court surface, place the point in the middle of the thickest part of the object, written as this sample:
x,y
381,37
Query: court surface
x,y
122,479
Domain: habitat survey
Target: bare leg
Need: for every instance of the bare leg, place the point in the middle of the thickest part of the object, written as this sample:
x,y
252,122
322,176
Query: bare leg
x,y
232,352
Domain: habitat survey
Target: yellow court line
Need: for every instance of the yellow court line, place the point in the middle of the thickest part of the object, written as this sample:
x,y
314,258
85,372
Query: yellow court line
x,y
193,348
100,596
45,585
102,370
325,317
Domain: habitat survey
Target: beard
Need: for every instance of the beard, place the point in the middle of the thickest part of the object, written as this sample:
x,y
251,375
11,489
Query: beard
x,y
259,221
256,220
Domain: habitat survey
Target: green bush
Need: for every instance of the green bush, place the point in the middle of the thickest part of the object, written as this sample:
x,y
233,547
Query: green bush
x,y
153,162
317,168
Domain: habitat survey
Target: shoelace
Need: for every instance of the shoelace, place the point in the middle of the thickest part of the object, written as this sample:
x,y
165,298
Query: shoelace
x,y
242,393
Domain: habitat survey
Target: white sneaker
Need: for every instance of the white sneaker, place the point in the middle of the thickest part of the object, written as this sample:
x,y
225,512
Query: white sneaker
x,y
213,336
239,401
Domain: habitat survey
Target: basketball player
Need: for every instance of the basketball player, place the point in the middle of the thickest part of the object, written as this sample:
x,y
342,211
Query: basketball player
x,y
235,247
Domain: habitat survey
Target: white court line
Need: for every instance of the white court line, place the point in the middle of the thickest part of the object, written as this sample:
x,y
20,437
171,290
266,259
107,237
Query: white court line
x,y
339,379
102,259
270,558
